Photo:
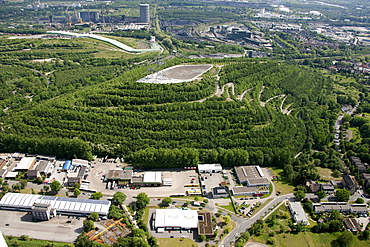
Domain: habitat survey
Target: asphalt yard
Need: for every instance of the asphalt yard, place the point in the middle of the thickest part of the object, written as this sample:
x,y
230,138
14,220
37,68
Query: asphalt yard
x,y
17,223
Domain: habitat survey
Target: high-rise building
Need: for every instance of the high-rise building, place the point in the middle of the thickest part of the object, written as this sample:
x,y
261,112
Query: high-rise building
x,y
144,13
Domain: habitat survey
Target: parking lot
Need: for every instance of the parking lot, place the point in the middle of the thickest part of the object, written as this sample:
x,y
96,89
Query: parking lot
x,y
180,178
17,223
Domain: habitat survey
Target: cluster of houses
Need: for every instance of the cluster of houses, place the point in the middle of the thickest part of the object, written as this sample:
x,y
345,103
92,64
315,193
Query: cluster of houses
x,y
362,170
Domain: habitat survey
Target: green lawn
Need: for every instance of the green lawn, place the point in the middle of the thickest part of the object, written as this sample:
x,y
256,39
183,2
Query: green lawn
x,y
228,207
309,239
13,241
178,242
325,174
281,185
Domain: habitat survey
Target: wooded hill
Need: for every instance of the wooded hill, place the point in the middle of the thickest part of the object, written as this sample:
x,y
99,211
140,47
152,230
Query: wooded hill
x,y
162,125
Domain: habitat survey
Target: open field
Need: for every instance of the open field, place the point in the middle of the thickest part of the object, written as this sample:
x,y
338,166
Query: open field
x,y
281,185
98,48
178,242
326,174
13,241
177,74
310,239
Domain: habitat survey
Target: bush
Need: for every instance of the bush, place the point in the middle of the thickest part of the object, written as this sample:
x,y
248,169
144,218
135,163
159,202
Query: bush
x,y
360,200
24,237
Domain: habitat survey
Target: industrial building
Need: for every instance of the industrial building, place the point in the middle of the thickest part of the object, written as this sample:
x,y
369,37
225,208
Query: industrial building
x,y
297,213
42,211
25,164
122,177
67,165
62,205
45,167
175,219
209,168
249,191
220,192
79,162
251,176
144,13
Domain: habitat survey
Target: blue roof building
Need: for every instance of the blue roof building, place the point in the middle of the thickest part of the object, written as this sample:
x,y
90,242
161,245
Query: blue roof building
x,y
67,165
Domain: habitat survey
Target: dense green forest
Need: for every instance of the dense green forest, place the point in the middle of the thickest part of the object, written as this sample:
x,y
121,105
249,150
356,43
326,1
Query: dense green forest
x,y
162,125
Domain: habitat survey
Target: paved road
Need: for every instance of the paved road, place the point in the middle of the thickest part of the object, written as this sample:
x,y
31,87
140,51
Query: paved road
x,y
243,224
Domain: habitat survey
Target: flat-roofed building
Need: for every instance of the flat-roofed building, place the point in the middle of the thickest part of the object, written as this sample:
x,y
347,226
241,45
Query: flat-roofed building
x,y
175,219
44,167
62,205
81,171
251,176
46,157
327,188
205,224
119,175
80,162
32,174
26,163
11,174
249,191
41,211
297,213
71,181
209,168
152,179
359,208
220,192
340,207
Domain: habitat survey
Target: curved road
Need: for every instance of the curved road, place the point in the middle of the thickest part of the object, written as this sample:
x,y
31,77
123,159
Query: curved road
x,y
243,224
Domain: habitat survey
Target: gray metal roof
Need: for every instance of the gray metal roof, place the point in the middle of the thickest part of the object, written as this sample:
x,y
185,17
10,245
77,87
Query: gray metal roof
x,y
64,204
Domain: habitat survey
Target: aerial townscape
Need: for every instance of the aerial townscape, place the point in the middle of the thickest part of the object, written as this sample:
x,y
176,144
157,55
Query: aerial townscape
x,y
188,123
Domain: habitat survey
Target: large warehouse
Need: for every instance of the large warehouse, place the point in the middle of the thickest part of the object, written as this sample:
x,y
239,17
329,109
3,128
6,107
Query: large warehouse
x,y
175,219
62,205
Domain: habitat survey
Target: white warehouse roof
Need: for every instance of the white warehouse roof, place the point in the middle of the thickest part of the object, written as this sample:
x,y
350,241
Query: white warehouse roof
x,y
25,163
79,162
61,204
152,177
209,167
176,218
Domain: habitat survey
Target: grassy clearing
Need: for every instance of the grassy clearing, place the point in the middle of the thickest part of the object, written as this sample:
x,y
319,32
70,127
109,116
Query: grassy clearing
x,y
326,174
356,137
13,241
178,242
309,239
281,185
228,207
